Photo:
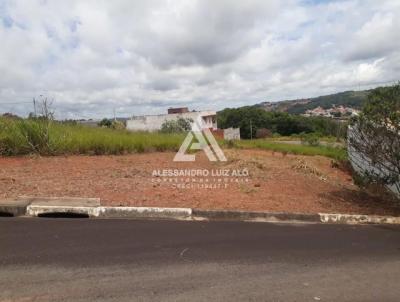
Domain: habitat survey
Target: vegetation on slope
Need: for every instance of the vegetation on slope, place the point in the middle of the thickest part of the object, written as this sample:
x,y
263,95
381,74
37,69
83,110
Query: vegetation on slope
x,y
353,99
251,118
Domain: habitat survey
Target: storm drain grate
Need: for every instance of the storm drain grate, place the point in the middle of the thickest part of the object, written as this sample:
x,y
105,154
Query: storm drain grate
x,y
6,214
63,215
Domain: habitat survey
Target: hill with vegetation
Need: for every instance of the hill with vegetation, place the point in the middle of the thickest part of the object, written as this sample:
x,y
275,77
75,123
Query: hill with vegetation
x,y
352,99
251,119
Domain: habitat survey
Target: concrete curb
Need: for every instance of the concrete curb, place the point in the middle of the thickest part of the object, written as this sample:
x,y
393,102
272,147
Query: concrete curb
x,y
254,216
85,207
36,211
358,219
34,206
89,207
13,207
145,212
63,201
112,212
293,217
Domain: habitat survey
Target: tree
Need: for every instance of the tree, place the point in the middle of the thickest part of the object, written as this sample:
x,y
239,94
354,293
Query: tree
x,y
278,122
105,122
374,138
176,126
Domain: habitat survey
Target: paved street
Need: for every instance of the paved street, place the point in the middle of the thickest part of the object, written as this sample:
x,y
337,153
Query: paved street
x,y
127,260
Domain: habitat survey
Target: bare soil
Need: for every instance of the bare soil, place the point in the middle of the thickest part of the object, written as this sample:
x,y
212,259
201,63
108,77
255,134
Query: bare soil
x,y
276,182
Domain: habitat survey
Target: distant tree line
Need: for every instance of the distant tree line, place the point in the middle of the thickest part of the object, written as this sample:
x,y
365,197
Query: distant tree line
x,y
250,119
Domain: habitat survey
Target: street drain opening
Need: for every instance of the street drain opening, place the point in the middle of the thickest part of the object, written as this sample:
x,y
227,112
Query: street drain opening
x,y
6,214
63,215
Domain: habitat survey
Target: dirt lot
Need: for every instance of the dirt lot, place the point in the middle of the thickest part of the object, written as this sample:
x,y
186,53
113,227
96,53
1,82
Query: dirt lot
x,y
276,182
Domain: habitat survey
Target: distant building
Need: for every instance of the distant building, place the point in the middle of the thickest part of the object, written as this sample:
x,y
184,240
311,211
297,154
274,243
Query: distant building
x,y
227,134
178,110
339,112
154,122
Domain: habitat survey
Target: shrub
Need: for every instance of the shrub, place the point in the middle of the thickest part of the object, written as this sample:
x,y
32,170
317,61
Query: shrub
x,y
311,139
117,125
263,133
105,122
177,126
336,153
374,138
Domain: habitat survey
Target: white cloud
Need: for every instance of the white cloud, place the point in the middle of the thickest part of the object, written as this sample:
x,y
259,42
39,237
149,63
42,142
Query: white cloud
x,y
144,56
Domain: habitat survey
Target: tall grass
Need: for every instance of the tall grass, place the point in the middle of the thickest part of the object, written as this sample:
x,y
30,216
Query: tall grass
x,y
31,136
331,152
19,137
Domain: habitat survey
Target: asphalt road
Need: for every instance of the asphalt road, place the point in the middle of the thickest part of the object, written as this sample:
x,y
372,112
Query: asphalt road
x,y
127,260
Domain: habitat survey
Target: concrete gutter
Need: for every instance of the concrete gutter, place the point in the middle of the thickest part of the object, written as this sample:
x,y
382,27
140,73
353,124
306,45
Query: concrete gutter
x,y
255,216
294,217
90,207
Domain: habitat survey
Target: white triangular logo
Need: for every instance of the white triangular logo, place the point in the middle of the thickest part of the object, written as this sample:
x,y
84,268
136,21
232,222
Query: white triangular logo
x,y
212,150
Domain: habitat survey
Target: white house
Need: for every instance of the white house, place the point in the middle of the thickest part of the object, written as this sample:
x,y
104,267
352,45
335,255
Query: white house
x,y
154,122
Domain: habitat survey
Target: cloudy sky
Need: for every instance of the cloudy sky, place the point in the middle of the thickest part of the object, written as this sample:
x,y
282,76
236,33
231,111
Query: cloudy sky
x,y
144,56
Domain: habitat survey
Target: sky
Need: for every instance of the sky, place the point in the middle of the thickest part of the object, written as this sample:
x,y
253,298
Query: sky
x,y
141,57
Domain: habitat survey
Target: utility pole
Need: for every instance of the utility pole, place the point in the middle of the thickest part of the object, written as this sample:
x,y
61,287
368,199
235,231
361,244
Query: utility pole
x,y
251,130
34,107
115,118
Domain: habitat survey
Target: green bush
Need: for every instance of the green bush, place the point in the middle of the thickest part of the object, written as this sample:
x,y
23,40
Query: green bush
x,y
336,153
105,122
311,139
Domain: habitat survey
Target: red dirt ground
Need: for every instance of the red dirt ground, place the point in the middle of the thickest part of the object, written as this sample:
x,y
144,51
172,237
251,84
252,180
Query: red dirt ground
x,y
278,183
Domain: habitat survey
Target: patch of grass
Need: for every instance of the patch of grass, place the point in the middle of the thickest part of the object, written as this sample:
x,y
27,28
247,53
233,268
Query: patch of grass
x,y
297,137
331,152
29,136
32,136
